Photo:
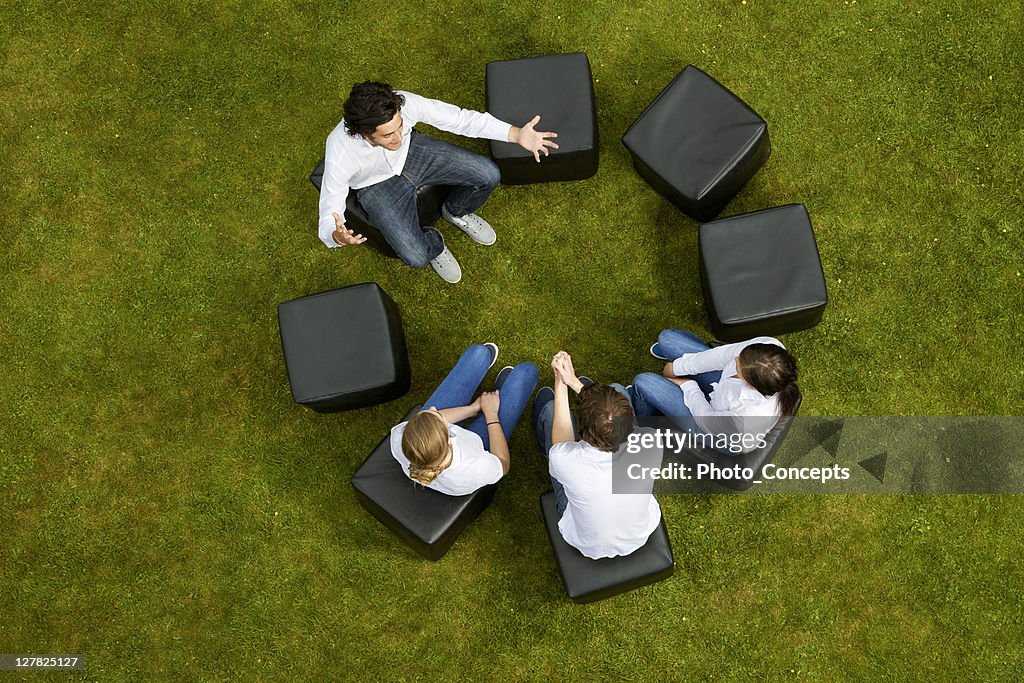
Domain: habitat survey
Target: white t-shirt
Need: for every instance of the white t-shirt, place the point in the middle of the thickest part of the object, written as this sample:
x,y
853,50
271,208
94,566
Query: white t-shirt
x,y
472,466
597,522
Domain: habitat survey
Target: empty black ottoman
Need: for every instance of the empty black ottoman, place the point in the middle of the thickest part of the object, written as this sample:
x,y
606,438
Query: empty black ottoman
x,y
561,90
761,273
588,580
426,520
698,144
344,348
429,199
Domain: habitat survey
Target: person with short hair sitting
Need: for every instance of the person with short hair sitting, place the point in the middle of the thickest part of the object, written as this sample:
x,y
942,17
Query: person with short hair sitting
x,y
593,519
377,153
435,451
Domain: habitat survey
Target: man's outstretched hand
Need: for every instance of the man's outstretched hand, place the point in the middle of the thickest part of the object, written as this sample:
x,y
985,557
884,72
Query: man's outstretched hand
x,y
531,140
343,235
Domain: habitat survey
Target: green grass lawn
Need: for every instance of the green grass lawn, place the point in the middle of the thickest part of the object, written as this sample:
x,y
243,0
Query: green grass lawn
x,y
170,513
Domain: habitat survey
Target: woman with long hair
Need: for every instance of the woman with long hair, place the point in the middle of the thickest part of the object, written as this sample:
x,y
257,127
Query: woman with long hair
x,y
436,451
735,392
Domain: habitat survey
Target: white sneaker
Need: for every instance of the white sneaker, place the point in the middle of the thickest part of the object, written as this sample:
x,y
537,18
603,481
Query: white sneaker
x,y
655,353
445,265
476,228
492,345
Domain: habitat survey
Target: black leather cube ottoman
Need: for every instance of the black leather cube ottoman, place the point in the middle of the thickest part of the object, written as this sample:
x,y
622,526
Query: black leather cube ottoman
x,y
426,520
698,144
559,88
429,199
344,348
761,273
588,580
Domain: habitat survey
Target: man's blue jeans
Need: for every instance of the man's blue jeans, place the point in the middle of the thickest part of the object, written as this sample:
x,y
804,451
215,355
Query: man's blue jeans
x,y
654,394
458,388
391,204
543,415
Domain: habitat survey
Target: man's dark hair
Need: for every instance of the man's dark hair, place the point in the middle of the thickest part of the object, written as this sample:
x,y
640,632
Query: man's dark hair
x,y
369,105
597,408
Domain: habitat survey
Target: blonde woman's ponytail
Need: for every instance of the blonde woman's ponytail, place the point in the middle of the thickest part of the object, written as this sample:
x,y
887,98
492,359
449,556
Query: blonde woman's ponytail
x,y
425,443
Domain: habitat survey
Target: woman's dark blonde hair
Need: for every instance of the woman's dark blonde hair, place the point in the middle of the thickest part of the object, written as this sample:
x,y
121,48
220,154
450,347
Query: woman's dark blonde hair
x,y
771,370
425,443
598,407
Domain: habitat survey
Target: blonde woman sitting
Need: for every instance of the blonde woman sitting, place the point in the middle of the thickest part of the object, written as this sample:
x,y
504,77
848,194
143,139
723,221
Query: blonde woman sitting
x,y
435,451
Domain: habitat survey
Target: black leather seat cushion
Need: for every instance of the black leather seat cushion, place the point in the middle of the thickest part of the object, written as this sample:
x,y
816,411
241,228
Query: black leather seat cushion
x,y
761,273
754,460
559,88
698,144
426,520
344,348
429,199
588,580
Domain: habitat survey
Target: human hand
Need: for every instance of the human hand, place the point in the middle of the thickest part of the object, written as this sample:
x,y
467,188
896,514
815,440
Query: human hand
x,y
562,365
532,140
555,369
489,402
669,370
565,372
343,235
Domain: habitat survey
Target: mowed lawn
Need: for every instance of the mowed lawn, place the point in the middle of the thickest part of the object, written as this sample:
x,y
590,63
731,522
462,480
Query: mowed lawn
x,y
168,511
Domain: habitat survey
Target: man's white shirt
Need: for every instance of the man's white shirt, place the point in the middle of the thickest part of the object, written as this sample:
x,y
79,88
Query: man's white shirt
x,y
596,521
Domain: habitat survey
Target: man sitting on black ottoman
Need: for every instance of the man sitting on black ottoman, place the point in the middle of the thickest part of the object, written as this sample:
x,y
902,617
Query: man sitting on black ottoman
x,y
592,519
376,152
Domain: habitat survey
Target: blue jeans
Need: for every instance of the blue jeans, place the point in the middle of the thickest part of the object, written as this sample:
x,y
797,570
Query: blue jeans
x,y
458,388
654,394
391,204
543,415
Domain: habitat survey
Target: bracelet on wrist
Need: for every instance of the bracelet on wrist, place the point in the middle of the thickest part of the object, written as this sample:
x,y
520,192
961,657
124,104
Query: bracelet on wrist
x,y
496,422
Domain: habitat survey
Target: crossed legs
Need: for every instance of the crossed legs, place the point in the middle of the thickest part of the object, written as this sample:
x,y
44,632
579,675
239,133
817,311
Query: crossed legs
x,y
391,204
